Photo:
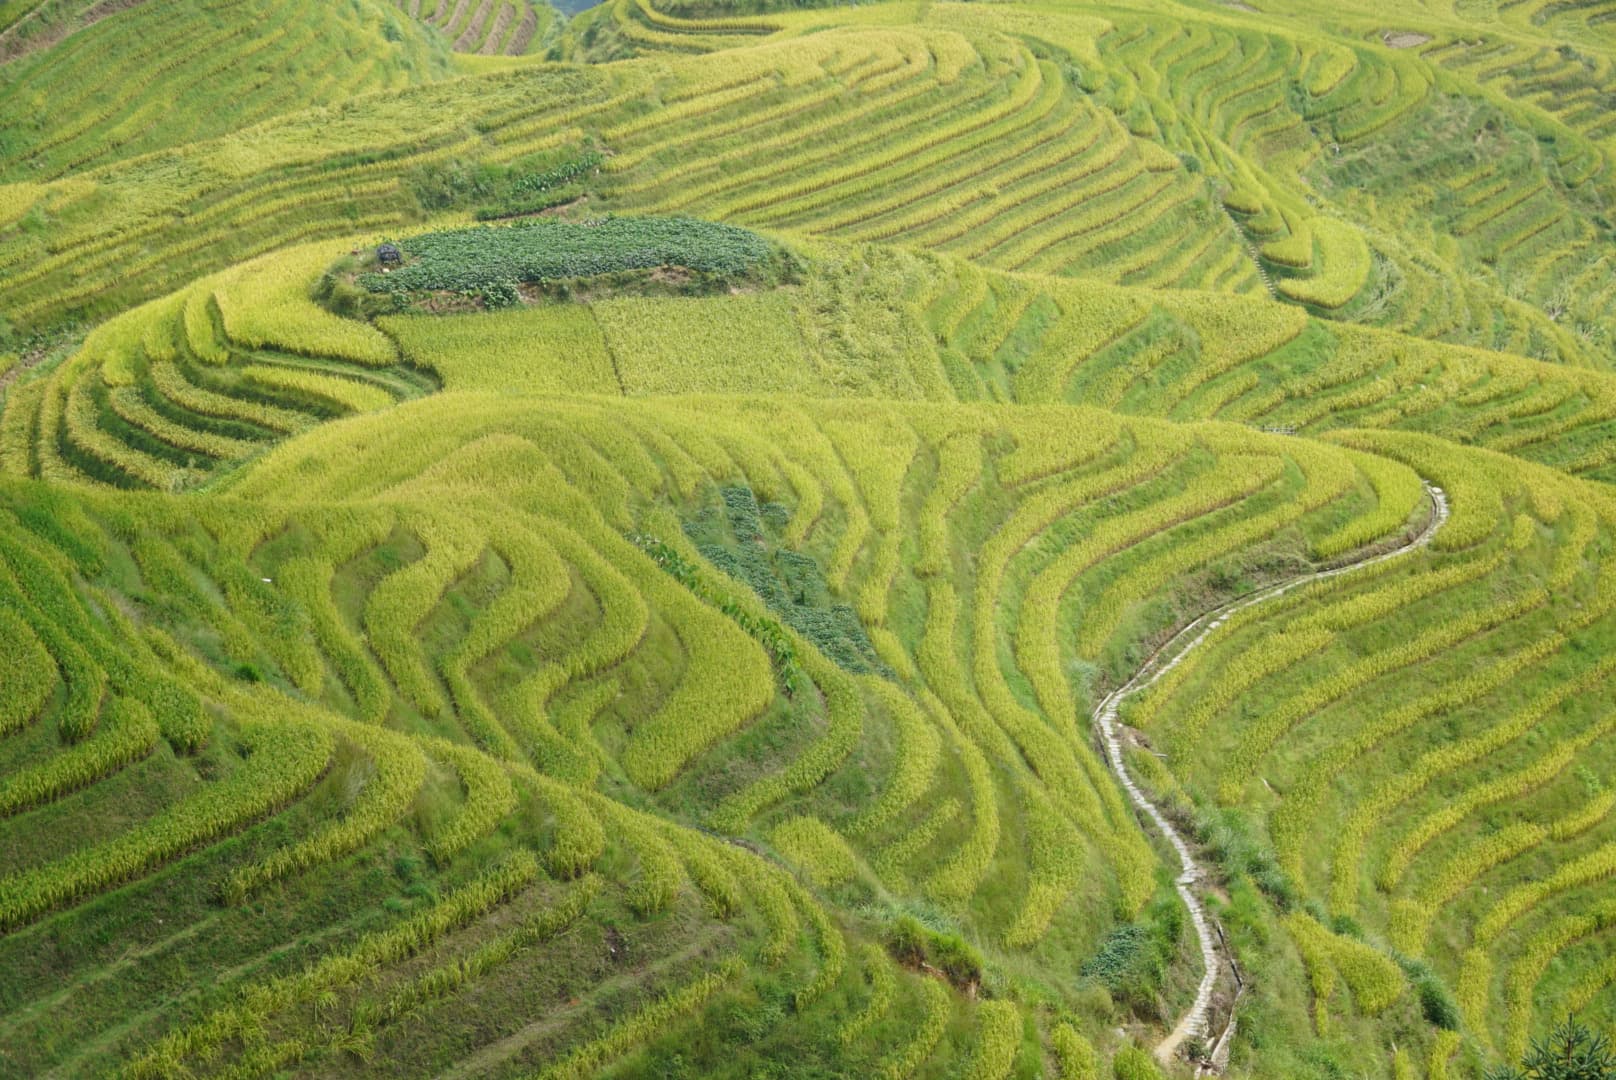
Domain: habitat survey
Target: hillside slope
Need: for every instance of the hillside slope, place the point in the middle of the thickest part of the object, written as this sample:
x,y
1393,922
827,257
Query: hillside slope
x,y
657,625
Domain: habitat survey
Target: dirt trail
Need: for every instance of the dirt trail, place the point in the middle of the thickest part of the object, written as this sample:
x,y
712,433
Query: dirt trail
x,y
1194,1023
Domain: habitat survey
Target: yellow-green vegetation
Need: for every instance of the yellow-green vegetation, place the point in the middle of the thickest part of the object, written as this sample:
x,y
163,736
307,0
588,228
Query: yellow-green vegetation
x,y
1370,977
812,845
166,74
554,349
543,544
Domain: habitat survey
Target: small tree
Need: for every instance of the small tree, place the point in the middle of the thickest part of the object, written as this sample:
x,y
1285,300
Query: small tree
x,y
1571,1052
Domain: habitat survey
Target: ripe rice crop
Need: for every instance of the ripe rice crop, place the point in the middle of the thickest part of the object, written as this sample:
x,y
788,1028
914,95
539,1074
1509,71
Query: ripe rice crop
x,y
266,304
639,1026
126,734
883,988
286,760
998,1039
1372,978
614,682
349,394
1346,260
1077,1058
814,847
397,771
925,1035
29,673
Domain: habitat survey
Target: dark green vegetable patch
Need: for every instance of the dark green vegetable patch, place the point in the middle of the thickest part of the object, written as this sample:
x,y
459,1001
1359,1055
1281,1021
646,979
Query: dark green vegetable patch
x,y
496,258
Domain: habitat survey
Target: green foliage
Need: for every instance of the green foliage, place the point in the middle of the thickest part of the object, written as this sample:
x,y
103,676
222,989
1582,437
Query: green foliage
x,y
907,939
742,543
153,78
955,451
542,251
127,733
926,1032
284,762
534,189
587,1059
770,634
1436,1000
370,953
883,988
1132,961
1132,1063
1570,1052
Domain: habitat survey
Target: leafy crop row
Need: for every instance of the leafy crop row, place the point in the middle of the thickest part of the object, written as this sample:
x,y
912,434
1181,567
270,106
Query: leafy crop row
x,y
473,260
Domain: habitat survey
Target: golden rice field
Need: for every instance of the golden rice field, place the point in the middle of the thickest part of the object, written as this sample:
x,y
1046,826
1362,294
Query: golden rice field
x,y
728,538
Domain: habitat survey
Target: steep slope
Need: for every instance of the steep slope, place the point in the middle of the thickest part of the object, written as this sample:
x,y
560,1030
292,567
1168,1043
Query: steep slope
x,y
139,78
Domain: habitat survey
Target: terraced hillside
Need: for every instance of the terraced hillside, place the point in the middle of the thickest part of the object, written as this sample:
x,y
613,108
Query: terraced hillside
x,y
941,540
487,28
167,74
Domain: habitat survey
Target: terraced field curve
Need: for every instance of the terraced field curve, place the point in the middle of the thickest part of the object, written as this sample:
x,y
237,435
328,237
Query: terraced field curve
x,y
1197,1018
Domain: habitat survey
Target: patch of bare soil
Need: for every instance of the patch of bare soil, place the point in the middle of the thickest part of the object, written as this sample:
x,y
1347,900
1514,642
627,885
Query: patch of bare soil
x,y
28,362
1404,39
670,275
474,29
524,33
502,23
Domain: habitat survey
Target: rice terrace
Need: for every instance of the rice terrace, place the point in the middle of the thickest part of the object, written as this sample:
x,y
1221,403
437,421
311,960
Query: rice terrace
x,y
798,539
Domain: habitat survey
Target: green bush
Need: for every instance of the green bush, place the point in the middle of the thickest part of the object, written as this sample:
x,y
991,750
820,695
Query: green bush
x,y
960,961
1132,960
1436,1001
1132,1063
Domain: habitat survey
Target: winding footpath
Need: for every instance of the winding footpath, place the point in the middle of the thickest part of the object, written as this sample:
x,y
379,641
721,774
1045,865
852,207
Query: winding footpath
x,y
1195,1022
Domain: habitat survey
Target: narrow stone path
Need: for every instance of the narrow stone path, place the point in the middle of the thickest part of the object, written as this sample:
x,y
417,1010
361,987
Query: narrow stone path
x,y
1195,1022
